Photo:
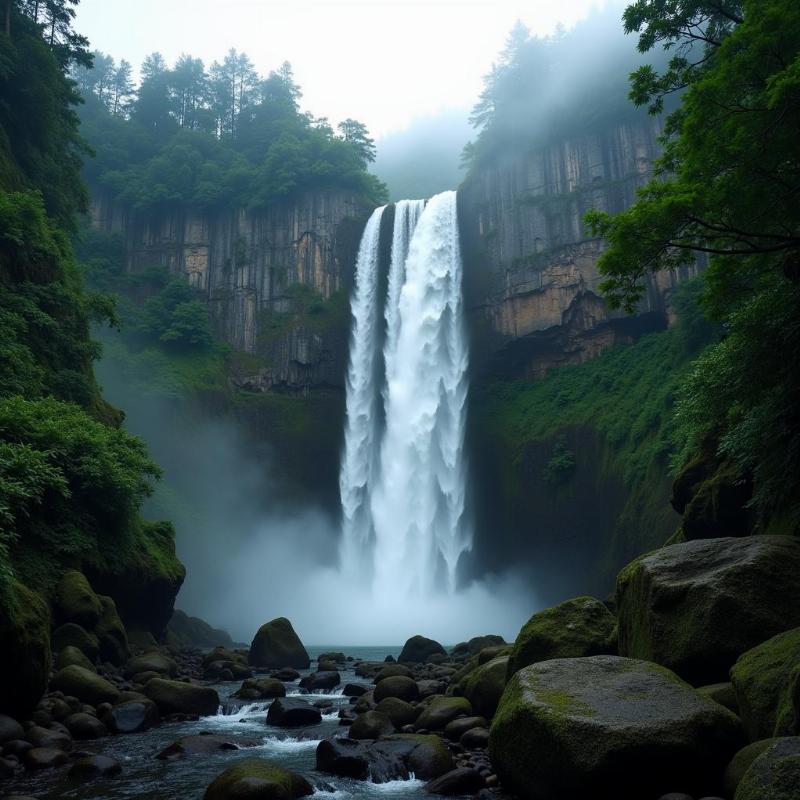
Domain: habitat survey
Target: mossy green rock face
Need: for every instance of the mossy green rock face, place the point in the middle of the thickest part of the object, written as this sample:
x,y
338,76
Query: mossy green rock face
x,y
74,600
441,711
176,697
371,725
484,687
696,607
418,649
775,774
73,635
575,628
71,656
764,680
606,726
257,780
741,762
111,634
151,662
276,645
25,656
87,686
398,711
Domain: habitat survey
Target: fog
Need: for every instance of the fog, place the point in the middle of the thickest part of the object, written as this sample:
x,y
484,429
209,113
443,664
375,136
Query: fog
x,y
256,547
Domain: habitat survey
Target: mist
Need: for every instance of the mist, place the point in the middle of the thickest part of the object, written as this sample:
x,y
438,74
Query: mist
x,y
256,546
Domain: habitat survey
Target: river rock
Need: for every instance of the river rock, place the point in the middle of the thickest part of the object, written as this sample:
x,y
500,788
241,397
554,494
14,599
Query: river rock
x,y
276,645
132,716
48,738
334,657
464,650
84,726
260,689
393,671
695,607
741,762
318,681
9,729
723,694
195,745
84,684
257,780
175,697
464,780
25,656
73,635
576,628
151,662
775,774
484,686
398,711
765,681
94,766
74,600
475,738
418,648
292,712
441,711
371,725
111,634
606,726
287,674
458,727
354,689
72,656
45,758
397,686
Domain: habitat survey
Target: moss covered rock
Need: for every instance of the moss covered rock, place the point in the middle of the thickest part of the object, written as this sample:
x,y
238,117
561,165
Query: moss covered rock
x,y
74,600
741,762
723,694
484,686
257,780
371,725
111,634
696,607
606,726
575,628
441,711
70,656
70,634
276,645
25,656
153,661
418,649
775,774
175,697
84,684
397,686
764,680
398,711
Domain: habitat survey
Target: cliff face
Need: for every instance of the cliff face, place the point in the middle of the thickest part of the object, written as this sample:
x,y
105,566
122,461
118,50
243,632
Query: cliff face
x,y
531,279
276,280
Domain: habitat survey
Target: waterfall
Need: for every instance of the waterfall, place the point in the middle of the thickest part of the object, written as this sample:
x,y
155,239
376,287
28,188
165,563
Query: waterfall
x,y
411,483
359,458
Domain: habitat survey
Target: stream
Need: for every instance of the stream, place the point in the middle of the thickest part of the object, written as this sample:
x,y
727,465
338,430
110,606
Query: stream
x,y
144,776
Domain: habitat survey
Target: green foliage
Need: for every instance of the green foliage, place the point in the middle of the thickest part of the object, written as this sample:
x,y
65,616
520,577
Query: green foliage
x,y
561,465
727,189
216,139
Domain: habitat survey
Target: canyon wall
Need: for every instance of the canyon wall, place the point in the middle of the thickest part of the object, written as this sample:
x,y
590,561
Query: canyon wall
x,y
276,280
531,268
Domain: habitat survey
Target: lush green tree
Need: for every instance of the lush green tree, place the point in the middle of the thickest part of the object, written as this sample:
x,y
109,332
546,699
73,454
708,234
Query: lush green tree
x,y
727,190
355,133
189,84
153,106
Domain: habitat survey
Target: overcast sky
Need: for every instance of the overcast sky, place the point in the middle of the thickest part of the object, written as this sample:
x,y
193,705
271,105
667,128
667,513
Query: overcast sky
x,y
383,62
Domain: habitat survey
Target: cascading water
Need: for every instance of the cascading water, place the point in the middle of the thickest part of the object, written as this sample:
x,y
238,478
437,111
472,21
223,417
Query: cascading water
x,y
410,486
359,458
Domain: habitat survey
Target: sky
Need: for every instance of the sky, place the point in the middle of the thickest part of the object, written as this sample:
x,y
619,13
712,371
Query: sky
x,y
384,62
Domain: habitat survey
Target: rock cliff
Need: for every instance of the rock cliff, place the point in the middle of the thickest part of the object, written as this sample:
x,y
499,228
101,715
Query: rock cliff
x,y
531,278
276,280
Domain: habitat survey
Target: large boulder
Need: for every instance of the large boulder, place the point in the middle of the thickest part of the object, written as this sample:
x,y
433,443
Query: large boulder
x,y
111,634
84,684
575,628
418,649
741,762
276,645
765,681
398,711
319,681
153,661
606,726
371,725
696,607
196,745
175,697
25,656
261,689
70,634
132,716
775,774
485,684
292,712
74,600
397,686
70,656
257,780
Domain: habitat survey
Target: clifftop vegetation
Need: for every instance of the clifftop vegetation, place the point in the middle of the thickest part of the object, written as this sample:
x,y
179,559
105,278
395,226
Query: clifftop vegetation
x,y
217,138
